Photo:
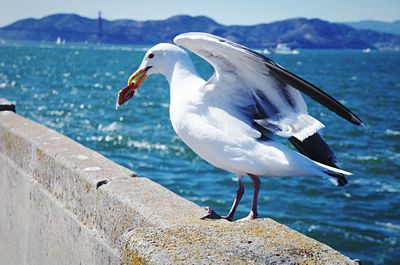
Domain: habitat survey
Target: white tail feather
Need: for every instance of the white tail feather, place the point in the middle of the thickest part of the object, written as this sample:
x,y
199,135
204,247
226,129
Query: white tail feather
x,y
334,170
306,126
300,126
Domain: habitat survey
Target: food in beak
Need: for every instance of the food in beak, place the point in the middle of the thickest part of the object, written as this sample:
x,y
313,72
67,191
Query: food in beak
x,y
125,94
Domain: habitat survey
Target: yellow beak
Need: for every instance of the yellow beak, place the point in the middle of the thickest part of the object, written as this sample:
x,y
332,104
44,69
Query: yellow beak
x,y
140,75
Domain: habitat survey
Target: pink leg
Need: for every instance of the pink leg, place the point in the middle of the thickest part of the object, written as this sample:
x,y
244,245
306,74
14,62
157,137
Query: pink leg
x,y
239,194
256,183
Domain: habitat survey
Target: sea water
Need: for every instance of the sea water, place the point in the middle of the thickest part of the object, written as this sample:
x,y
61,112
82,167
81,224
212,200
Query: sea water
x,y
72,89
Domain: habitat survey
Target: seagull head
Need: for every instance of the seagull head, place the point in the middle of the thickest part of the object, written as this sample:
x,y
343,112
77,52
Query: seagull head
x,y
159,59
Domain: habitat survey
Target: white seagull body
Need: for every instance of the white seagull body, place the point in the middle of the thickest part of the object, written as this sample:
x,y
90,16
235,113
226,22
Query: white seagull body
x,y
230,120
204,117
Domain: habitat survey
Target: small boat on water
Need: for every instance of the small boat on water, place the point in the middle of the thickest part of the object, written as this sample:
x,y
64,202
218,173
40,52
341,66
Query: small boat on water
x,y
367,50
283,48
60,41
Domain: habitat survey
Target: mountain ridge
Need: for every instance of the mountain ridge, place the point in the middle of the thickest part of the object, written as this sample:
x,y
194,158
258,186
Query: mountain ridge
x,y
296,32
380,26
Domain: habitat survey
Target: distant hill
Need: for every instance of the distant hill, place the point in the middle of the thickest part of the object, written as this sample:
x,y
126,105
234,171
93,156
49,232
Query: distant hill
x,y
297,32
380,26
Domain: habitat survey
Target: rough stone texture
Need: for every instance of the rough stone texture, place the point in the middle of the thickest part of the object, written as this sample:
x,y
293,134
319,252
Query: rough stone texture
x,y
35,228
63,203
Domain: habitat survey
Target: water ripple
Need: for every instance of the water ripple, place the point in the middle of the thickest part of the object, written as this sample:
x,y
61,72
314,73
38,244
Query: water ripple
x,y
77,98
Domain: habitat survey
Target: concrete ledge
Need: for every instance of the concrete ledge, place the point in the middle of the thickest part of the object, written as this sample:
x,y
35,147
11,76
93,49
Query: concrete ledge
x,y
66,204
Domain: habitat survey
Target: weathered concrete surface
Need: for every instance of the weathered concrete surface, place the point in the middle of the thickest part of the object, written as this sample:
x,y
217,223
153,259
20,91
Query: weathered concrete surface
x,y
35,228
63,203
262,241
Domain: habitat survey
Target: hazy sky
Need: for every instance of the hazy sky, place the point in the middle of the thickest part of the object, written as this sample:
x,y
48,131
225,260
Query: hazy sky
x,y
223,11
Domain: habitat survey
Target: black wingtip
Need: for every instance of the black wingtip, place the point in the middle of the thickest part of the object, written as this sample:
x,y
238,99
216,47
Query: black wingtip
x,y
356,120
313,92
342,181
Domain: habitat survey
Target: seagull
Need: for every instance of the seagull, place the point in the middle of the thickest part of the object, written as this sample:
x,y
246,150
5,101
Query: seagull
x,y
234,120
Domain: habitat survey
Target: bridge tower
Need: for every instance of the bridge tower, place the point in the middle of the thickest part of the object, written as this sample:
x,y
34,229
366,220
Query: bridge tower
x,y
99,29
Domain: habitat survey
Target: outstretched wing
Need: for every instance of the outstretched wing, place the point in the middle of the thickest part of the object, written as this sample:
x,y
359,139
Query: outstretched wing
x,y
259,89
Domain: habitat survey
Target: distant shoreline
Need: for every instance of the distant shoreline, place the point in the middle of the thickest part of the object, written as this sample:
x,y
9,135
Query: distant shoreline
x,y
145,47
296,33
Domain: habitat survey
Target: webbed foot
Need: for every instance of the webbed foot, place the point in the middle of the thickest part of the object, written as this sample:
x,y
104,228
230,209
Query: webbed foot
x,y
211,214
252,215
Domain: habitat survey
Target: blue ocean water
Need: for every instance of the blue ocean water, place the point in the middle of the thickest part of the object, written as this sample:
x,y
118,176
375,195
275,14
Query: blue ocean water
x,y
72,89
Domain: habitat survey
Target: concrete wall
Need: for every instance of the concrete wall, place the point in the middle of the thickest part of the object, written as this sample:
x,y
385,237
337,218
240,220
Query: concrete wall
x,y
62,203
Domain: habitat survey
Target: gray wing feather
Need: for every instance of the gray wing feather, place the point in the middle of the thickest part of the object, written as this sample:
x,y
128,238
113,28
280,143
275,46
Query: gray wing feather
x,y
260,89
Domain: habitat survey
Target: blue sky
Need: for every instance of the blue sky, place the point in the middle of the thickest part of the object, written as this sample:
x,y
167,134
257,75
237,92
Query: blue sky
x,y
224,11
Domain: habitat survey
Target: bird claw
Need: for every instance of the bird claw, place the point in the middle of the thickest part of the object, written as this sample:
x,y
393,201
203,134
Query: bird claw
x,y
211,214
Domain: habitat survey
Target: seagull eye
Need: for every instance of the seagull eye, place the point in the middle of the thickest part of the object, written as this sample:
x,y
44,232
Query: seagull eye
x,y
151,55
